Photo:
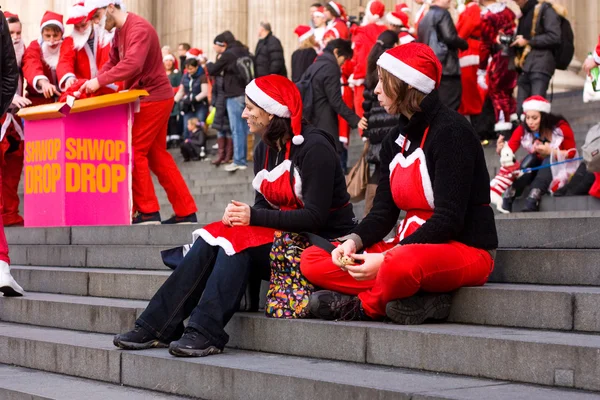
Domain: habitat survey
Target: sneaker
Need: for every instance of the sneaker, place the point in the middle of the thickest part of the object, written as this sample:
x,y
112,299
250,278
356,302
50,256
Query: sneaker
x,y
330,305
8,285
234,167
140,218
193,344
138,339
188,219
417,309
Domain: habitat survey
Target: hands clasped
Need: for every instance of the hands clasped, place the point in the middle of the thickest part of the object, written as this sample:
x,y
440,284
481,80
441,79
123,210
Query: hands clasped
x,y
237,214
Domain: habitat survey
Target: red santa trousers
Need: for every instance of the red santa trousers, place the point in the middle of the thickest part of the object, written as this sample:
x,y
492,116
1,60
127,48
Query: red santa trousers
x,y
149,142
436,268
12,168
3,243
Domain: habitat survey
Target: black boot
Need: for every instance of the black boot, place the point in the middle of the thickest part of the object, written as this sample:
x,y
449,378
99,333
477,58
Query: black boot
x,y
193,344
508,198
330,305
138,339
417,309
532,202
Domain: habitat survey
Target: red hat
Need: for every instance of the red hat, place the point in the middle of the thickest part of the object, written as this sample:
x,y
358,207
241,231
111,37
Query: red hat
x,y
52,18
415,64
402,8
537,103
94,5
303,32
77,13
338,8
194,53
375,9
331,33
8,14
320,12
279,96
397,19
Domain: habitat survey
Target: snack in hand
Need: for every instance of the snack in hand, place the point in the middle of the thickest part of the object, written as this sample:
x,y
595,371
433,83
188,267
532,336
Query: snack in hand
x,y
345,260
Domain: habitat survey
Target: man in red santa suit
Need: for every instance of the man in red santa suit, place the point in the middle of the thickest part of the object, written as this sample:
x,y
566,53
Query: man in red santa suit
x,y
81,54
363,40
11,135
97,14
469,29
336,17
136,60
41,59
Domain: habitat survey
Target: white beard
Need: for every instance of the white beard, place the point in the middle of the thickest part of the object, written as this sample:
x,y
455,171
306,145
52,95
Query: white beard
x,y
81,39
19,50
104,37
50,55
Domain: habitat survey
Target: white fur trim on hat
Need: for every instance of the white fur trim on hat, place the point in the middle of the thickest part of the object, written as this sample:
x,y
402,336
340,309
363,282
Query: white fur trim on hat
x,y
537,105
266,102
95,4
298,140
406,73
52,22
596,57
502,126
306,36
393,20
77,11
168,57
335,7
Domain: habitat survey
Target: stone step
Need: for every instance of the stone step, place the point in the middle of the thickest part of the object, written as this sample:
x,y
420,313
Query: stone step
x,y
566,203
17,383
238,374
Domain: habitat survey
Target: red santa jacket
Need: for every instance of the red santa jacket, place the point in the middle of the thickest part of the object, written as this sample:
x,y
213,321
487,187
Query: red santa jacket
x,y
80,64
347,69
597,52
469,29
363,40
563,138
498,19
34,69
339,26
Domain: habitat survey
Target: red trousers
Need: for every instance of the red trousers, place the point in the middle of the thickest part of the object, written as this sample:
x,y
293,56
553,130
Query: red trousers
x,y
149,142
3,243
12,168
436,268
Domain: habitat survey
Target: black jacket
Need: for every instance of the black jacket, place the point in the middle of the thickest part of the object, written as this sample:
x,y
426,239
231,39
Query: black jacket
x,y
233,86
327,211
380,122
459,177
301,60
269,57
546,39
221,122
9,71
327,96
438,21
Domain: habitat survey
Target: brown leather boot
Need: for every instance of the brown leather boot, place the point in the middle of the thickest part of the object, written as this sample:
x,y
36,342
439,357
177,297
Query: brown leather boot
x,y
220,152
228,150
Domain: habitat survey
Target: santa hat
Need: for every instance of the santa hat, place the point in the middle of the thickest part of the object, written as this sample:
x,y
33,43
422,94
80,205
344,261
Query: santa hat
x,y
338,8
375,9
194,53
320,12
402,8
537,103
169,57
279,96
303,32
77,13
415,64
52,18
397,19
331,33
94,5
8,15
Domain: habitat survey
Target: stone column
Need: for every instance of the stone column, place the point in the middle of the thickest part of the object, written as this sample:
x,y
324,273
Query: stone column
x,y
175,23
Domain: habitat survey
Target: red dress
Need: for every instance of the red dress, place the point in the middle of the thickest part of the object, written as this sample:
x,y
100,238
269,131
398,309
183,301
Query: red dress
x,y
468,27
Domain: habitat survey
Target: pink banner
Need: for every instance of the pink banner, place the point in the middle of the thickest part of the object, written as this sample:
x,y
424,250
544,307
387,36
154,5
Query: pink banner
x,y
78,169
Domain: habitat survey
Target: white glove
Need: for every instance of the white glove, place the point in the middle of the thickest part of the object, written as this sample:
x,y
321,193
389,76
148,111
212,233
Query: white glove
x,y
481,81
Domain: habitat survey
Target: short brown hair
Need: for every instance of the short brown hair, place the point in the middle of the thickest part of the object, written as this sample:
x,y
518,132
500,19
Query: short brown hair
x,y
52,27
406,99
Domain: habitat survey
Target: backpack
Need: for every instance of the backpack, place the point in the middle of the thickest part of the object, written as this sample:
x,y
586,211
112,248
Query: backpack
x,y
245,68
563,54
304,86
591,149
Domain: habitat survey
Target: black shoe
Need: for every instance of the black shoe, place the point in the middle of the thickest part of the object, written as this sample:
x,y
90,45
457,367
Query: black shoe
x,y
532,202
193,344
330,305
140,218
189,219
138,339
417,309
508,199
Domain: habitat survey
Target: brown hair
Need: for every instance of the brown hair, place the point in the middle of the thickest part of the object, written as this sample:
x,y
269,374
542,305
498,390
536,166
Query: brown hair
x,y
311,42
53,28
406,99
278,129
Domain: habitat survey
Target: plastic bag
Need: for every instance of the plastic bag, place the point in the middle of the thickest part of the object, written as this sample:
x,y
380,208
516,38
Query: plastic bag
x,y
562,173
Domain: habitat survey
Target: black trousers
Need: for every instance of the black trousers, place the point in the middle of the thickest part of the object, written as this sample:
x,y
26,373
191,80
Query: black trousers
x,y
531,84
450,91
540,179
206,286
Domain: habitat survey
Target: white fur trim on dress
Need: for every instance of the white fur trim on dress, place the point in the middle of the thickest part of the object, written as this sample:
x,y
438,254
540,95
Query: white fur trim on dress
x,y
406,224
36,80
308,34
405,162
406,73
276,173
266,102
537,105
214,241
53,22
596,57
468,61
61,84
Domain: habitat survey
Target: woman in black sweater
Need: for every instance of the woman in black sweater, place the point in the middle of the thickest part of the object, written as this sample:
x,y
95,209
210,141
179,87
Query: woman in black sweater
x,y
299,186
306,53
434,169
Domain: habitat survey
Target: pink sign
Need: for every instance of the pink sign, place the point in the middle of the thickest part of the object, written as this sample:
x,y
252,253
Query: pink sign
x,y
78,168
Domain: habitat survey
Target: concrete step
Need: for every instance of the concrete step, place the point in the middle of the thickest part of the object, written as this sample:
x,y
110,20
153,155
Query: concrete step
x,y
547,267
120,284
566,203
17,383
238,374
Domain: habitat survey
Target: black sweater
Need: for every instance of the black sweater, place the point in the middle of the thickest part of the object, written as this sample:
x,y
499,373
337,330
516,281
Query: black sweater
x,y
233,86
461,184
380,122
326,211
301,60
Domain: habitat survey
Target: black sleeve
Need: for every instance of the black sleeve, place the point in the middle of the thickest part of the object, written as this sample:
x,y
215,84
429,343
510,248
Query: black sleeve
x,y
449,35
217,67
275,56
9,69
333,91
296,67
259,200
383,216
369,98
550,34
317,172
454,165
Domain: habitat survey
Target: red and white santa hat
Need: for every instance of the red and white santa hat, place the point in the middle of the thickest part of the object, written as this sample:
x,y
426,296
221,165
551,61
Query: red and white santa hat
x,y
77,13
194,53
52,18
537,103
320,12
279,96
397,19
94,5
338,8
375,9
403,8
169,56
8,15
415,64
303,32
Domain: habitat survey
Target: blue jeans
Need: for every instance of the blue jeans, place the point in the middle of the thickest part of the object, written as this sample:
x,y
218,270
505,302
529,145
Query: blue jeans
x,y
239,129
201,113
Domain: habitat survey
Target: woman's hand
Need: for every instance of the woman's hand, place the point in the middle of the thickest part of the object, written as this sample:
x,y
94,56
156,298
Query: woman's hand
x,y
363,124
543,149
588,65
368,269
346,249
500,144
239,213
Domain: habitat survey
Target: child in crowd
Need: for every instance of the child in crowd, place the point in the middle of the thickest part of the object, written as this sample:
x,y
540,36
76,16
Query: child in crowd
x,y
192,149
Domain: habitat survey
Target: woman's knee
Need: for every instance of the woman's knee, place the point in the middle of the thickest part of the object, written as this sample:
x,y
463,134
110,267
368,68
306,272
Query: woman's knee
x,y
313,263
